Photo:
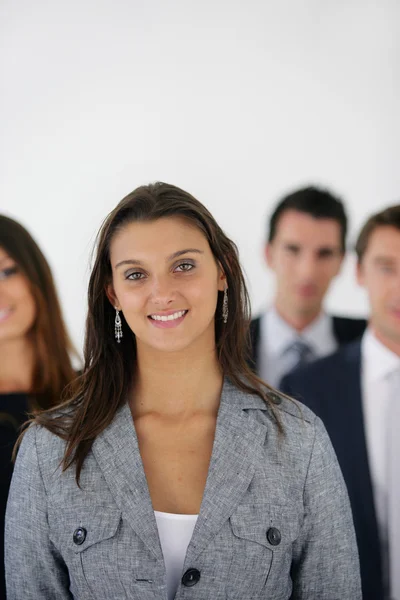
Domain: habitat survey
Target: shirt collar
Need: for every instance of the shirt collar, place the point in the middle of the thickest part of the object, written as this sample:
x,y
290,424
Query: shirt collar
x,y
284,335
378,361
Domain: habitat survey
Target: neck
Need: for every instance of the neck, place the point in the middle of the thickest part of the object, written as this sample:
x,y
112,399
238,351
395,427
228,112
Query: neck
x,y
392,344
176,384
298,320
17,360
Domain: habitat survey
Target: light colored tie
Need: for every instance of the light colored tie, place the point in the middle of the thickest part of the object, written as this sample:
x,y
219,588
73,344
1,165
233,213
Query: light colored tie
x,y
394,488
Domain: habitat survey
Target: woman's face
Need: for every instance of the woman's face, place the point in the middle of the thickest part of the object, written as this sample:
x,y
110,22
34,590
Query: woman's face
x,y
166,282
17,304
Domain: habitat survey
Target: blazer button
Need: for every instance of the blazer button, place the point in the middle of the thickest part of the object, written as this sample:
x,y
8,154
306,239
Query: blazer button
x,y
274,536
191,577
276,399
79,536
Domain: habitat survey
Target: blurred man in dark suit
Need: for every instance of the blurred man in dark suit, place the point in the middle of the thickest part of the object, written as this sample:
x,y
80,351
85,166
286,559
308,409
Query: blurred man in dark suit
x,y
356,392
305,249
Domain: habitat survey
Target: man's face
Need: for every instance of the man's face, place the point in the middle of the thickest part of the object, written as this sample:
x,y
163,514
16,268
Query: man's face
x,y
305,255
379,274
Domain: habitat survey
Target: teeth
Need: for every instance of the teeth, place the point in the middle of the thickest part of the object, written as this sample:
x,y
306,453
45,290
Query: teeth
x,y
176,315
4,312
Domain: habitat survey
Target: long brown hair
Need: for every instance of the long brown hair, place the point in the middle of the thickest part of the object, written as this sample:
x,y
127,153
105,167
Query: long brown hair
x,y
107,374
53,370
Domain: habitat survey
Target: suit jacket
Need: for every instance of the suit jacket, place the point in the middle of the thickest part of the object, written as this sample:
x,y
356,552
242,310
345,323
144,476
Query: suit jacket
x,y
275,521
331,387
345,330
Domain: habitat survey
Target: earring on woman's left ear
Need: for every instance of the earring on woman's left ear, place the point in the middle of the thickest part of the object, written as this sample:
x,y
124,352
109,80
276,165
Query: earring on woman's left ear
x,y
225,310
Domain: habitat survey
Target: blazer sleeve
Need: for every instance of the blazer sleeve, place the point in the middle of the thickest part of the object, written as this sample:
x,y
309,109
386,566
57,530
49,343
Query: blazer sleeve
x,y
34,568
326,564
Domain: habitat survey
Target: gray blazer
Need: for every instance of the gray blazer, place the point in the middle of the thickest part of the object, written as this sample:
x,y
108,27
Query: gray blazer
x,y
274,524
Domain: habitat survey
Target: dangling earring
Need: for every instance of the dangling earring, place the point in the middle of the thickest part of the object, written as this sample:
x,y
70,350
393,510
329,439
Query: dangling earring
x,y
225,310
118,326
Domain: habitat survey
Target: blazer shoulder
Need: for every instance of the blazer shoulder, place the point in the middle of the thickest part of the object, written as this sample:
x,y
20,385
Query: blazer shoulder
x,y
47,445
347,329
347,356
294,411
291,410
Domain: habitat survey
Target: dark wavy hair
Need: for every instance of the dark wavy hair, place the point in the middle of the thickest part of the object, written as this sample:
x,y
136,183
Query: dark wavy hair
x,y
108,373
53,369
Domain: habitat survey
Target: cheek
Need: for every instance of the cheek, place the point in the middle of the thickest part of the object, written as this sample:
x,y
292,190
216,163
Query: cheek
x,y
130,296
284,265
20,292
23,301
202,293
378,297
28,306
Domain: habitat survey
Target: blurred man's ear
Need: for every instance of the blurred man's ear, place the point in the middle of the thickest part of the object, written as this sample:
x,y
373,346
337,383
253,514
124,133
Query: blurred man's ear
x,y
268,254
360,274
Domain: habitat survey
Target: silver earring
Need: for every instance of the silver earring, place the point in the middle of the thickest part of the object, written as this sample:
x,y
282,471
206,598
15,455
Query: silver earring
x,y
225,310
118,326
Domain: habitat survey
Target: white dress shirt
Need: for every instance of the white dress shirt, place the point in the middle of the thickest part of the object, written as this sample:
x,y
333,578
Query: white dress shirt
x,y
378,363
276,335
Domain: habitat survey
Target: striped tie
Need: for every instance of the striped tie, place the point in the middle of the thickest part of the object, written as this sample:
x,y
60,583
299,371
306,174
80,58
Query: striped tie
x,y
301,353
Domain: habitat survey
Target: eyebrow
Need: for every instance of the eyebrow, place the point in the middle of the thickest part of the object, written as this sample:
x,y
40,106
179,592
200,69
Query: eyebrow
x,y
134,261
4,259
384,259
298,246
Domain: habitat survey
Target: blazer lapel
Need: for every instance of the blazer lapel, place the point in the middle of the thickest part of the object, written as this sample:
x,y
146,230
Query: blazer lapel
x,y
356,452
237,449
356,449
116,450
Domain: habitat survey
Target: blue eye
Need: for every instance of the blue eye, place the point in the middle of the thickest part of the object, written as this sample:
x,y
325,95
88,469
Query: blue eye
x,y
136,276
184,267
8,272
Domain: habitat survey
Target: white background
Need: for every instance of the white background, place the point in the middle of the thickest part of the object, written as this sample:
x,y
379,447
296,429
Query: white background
x,y
235,101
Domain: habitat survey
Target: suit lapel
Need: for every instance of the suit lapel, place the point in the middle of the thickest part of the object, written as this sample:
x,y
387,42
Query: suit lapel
x,y
355,458
237,449
254,343
116,450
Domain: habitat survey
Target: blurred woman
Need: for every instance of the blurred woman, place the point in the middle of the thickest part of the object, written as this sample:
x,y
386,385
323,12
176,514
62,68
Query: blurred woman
x,y
35,364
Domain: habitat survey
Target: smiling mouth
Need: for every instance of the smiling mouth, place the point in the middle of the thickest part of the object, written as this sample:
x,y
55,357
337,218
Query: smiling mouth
x,y
176,315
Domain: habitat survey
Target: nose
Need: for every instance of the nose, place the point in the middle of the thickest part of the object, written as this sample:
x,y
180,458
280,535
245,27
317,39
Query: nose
x,y
163,292
307,266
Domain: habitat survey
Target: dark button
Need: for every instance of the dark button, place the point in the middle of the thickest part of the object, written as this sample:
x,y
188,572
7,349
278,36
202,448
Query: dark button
x,y
274,536
276,398
79,536
191,577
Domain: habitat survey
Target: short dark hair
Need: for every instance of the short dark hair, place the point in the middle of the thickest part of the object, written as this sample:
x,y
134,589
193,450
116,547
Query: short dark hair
x,y
314,201
390,217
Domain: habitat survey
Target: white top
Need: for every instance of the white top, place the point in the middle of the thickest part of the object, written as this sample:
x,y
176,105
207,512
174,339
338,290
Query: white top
x,y
378,364
276,335
175,532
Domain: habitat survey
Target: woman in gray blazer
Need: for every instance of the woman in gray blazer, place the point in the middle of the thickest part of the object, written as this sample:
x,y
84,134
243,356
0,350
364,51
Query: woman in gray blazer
x,y
173,471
